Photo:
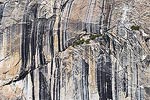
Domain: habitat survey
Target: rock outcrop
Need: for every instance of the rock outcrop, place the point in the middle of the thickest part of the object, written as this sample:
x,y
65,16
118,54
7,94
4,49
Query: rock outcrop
x,y
74,50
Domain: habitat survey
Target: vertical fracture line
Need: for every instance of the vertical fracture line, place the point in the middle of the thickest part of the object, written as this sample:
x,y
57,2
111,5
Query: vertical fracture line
x,y
85,73
131,74
54,87
98,81
33,47
24,45
58,30
57,79
88,16
137,76
106,17
52,51
51,48
110,12
116,82
58,33
103,78
24,38
51,41
101,18
42,62
66,21
109,78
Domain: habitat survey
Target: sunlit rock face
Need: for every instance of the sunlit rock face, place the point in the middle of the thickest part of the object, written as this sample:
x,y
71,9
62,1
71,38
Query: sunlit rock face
x,y
74,50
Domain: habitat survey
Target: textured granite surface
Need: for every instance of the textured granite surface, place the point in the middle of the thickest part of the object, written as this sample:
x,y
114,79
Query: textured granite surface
x,y
74,49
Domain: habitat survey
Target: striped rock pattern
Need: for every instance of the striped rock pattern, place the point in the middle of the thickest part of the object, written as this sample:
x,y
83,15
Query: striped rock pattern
x,y
40,60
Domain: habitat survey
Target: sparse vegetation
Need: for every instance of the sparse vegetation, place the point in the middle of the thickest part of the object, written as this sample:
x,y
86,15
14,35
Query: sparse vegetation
x,y
87,41
135,27
78,42
92,37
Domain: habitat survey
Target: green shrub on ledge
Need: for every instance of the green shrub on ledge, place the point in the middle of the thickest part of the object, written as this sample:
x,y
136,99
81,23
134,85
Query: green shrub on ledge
x,y
78,42
92,37
87,41
135,27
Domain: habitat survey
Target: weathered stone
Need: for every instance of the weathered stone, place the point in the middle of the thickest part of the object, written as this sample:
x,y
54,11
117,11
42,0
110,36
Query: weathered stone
x,y
39,60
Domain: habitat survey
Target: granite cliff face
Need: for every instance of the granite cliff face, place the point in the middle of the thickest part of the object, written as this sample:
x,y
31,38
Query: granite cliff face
x,y
74,50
